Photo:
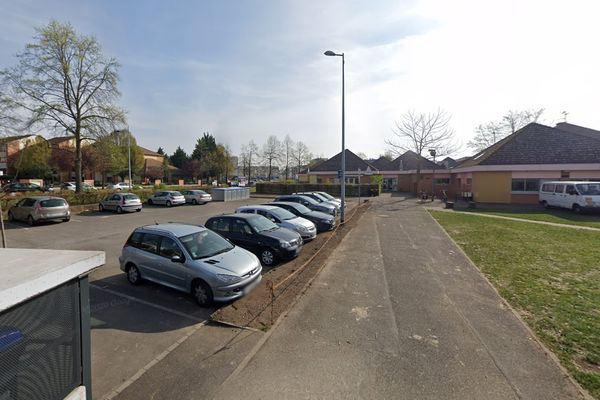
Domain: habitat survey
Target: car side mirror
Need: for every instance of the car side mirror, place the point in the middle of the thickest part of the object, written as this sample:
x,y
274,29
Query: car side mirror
x,y
177,259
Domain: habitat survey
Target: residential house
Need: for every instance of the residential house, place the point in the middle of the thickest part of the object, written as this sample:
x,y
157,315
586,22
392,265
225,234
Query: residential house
x,y
327,171
10,147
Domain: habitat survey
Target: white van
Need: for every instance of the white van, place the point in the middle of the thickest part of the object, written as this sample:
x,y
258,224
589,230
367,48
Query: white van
x,y
574,195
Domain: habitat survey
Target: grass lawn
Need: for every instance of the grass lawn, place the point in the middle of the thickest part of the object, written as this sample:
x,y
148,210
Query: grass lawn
x,y
550,275
555,216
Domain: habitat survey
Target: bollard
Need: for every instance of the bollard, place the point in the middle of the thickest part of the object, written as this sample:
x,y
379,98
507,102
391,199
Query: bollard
x,y
270,287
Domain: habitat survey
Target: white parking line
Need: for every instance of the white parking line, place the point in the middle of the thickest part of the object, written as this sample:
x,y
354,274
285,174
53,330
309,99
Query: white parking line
x,y
147,303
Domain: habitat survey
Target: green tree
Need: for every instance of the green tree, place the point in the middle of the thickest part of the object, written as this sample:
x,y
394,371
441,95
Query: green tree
x,y
33,160
160,151
63,83
179,157
204,146
123,139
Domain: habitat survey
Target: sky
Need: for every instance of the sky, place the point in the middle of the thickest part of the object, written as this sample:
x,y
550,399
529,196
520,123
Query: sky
x,y
249,69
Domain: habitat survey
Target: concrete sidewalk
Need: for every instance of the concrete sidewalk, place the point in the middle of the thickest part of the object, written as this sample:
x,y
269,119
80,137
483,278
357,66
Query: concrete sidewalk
x,y
399,313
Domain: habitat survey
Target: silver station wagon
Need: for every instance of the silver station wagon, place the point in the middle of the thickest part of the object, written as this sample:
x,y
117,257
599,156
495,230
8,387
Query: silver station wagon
x,y
191,259
168,198
196,196
121,202
40,208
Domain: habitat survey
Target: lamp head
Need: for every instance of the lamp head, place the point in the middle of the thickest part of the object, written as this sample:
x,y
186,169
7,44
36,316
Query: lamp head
x,y
330,53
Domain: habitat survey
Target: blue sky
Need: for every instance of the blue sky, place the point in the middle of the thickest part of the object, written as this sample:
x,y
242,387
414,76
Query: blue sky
x,y
249,69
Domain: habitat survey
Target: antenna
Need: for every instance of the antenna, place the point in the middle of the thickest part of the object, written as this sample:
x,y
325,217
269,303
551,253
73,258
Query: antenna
x,y
565,113
155,222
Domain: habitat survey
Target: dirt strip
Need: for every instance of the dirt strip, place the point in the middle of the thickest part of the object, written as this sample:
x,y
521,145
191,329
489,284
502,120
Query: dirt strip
x,y
282,284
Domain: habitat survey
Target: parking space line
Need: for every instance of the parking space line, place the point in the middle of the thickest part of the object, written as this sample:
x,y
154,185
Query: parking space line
x,y
156,360
149,304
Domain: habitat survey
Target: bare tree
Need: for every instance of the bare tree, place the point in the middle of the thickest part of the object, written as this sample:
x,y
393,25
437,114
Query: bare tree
x,y
249,151
492,132
302,155
288,154
272,152
63,83
420,132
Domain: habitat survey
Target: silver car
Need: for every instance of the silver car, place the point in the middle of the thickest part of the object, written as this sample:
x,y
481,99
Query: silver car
x,y
284,219
168,198
196,196
40,208
121,202
191,259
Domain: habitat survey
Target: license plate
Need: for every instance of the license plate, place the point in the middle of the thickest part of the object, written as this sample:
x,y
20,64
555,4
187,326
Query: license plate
x,y
251,286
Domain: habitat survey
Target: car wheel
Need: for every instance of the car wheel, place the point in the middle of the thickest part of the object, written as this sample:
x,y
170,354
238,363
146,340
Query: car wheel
x,y
100,207
194,202
168,203
545,204
11,217
133,275
267,257
576,208
138,210
30,221
202,293
119,210
66,219
150,202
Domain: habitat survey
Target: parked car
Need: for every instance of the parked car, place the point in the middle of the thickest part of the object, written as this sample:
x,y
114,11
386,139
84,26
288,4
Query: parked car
x,y
330,197
18,187
119,186
72,186
321,199
40,208
310,203
258,235
323,222
168,198
121,202
284,219
191,259
196,196
575,195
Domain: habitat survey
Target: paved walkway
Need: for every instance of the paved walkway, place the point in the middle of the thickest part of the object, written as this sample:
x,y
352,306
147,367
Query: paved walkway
x,y
531,221
399,313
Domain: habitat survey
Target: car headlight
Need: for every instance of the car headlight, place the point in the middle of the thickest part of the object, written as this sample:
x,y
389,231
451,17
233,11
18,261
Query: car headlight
x,y
229,279
285,245
302,228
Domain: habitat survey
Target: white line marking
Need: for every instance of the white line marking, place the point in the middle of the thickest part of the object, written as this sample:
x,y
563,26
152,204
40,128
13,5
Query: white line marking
x,y
147,303
156,360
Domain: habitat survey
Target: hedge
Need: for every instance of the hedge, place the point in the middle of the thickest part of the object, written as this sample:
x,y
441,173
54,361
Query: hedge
x,y
332,189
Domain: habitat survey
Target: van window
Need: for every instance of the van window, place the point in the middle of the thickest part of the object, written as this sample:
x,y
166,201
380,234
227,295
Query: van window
x,y
548,187
571,189
559,188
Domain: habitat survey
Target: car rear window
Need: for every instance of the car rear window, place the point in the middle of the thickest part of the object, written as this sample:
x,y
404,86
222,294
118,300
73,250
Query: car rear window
x,y
130,197
53,203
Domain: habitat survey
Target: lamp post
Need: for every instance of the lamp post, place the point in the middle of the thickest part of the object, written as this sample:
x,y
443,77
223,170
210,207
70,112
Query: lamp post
x,y
129,156
343,177
432,152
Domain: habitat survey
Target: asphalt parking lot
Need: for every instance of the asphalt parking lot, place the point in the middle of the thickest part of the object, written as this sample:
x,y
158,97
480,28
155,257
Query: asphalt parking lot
x,y
133,328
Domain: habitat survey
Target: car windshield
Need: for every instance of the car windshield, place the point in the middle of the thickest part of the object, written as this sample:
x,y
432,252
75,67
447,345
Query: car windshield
x,y
302,209
589,189
327,196
204,244
321,197
282,214
314,197
310,200
262,224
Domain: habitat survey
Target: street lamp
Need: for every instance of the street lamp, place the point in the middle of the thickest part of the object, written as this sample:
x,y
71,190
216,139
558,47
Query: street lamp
x,y
343,177
432,152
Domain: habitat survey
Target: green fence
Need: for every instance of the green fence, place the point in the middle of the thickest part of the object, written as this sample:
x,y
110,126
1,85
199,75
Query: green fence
x,y
334,190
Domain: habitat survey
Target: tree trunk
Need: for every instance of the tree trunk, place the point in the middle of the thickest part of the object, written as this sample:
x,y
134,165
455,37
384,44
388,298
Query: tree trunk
x,y
78,177
269,177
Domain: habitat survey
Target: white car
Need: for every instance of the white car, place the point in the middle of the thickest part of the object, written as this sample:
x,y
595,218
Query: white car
x,y
168,198
71,186
284,219
196,196
119,186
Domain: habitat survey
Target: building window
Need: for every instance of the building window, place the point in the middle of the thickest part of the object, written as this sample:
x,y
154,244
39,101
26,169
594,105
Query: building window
x,y
352,181
442,181
469,181
525,185
565,174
